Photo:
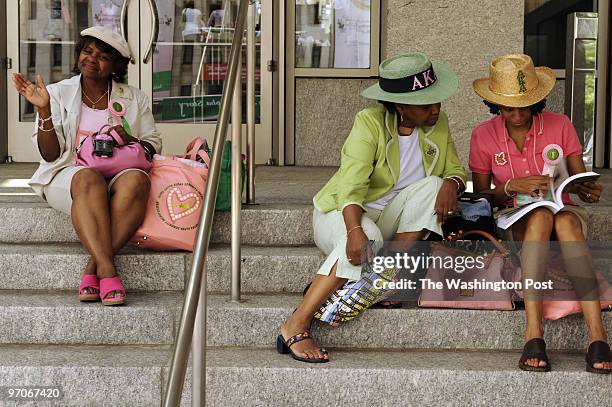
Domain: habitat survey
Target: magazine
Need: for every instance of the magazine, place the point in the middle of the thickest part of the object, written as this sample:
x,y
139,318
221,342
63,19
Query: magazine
x,y
552,200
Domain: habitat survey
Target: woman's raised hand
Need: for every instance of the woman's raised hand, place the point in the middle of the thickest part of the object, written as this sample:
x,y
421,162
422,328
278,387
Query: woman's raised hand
x,y
534,186
35,93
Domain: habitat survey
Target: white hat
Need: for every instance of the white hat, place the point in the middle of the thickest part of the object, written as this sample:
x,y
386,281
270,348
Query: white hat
x,y
111,37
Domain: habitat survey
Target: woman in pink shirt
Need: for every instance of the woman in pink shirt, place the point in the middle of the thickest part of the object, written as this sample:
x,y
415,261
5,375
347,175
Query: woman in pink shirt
x,y
507,151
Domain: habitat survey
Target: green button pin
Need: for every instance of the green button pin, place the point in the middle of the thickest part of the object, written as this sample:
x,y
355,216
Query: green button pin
x,y
553,154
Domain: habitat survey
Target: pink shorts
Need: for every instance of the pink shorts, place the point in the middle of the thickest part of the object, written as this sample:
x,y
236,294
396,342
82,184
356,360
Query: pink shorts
x,y
57,192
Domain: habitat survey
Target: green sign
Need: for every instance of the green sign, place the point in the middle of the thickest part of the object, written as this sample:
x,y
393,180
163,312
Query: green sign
x,y
198,108
162,81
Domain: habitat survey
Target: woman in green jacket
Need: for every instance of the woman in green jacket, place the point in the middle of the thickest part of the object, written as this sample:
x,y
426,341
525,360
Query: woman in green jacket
x,y
398,180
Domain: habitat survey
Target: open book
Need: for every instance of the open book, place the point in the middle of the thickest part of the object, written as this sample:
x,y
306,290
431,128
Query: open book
x,y
553,200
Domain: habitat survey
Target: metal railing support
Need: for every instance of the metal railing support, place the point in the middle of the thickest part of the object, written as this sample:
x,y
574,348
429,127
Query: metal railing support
x,y
250,139
198,361
236,182
197,284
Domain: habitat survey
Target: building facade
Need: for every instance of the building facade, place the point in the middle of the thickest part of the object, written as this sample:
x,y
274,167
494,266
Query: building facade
x,y
313,59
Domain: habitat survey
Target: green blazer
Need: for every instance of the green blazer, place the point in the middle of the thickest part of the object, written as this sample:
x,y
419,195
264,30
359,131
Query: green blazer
x,y
370,159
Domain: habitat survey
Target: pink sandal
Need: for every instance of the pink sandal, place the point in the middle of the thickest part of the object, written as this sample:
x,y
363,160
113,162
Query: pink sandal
x,y
89,281
108,285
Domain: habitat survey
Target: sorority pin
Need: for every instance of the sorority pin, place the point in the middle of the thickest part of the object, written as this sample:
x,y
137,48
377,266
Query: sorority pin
x,y
117,110
552,155
500,158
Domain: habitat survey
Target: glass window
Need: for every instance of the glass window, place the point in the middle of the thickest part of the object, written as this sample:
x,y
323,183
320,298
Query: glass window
x,y
48,30
190,61
33,9
333,33
546,28
57,55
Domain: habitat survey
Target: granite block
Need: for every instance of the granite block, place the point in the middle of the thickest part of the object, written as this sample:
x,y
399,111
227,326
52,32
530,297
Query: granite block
x,y
233,324
30,317
324,113
412,378
59,266
264,269
88,375
267,225
262,225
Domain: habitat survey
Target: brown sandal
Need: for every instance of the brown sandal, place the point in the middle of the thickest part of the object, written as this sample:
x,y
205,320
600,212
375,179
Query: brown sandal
x,y
284,347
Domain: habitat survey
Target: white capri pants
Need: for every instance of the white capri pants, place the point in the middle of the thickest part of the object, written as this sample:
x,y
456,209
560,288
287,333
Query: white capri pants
x,y
411,210
57,192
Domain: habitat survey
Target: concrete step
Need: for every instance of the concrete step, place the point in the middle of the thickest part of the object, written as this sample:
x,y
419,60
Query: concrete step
x,y
59,267
135,376
151,319
262,225
278,269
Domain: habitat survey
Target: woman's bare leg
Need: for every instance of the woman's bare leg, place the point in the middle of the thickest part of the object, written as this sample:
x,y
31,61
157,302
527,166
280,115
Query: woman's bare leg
x,y
91,218
573,247
534,257
320,289
129,194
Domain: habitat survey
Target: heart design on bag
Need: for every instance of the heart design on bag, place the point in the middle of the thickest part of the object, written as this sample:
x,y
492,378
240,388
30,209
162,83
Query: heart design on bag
x,y
181,205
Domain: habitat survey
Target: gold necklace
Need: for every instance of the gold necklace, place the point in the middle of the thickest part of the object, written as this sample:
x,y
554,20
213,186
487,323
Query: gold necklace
x,y
91,101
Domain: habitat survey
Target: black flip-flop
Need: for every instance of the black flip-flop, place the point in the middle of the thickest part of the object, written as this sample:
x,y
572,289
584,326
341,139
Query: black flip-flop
x,y
598,352
534,349
284,347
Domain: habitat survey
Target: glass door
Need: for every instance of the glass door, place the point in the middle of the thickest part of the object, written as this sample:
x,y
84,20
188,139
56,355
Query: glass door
x,y
42,41
184,75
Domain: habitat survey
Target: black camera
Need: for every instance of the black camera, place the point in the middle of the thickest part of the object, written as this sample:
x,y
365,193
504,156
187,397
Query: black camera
x,y
103,145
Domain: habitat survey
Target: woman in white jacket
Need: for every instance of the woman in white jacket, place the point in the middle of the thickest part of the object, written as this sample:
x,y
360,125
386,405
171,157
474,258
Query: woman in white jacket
x,y
105,212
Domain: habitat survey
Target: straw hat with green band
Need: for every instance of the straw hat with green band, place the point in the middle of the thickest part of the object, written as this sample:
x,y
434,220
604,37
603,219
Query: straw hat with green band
x,y
413,79
514,82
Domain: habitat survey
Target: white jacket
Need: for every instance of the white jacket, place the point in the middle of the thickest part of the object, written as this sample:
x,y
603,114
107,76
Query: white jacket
x,y
66,116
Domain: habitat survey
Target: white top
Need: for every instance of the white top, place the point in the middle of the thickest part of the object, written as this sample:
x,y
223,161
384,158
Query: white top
x,y
411,168
66,115
91,122
191,16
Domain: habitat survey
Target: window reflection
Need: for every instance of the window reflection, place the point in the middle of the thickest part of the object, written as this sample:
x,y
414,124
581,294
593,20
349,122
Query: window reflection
x,y
191,57
48,30
546,28
332,33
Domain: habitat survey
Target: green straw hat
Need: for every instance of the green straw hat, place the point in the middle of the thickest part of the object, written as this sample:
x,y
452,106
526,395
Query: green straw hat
x,y
413,79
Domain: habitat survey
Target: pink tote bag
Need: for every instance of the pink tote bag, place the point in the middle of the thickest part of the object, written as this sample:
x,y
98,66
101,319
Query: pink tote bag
x,y
567,304
175,202
455,297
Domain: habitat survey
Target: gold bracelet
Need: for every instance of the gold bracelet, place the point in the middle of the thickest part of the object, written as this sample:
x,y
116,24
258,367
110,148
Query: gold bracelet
x,y
353,228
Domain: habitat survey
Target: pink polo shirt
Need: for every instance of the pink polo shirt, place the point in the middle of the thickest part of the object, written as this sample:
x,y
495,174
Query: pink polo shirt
x,y
493,152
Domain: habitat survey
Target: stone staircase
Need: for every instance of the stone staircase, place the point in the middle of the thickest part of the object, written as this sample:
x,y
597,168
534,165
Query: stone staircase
x,y
119,355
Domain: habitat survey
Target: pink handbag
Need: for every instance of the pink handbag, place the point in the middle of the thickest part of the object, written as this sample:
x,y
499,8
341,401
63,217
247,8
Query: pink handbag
x,y
563,288
468,298
112,155
175,202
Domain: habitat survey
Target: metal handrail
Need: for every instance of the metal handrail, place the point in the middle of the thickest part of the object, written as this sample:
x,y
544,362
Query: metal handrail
x,y
197,284
250,139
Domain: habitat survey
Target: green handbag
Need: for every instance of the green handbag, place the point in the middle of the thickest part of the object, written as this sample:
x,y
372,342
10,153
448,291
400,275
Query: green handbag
x,y
224,191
